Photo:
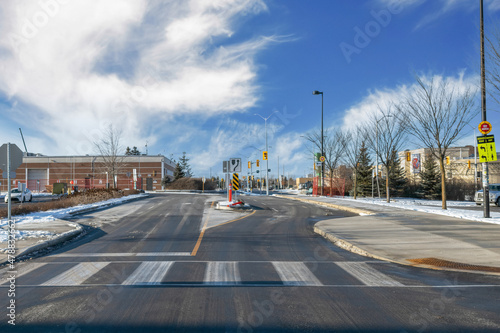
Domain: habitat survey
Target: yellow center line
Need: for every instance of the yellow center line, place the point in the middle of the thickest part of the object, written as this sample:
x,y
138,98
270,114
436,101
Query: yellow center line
x,y
197,246
198,243
239,218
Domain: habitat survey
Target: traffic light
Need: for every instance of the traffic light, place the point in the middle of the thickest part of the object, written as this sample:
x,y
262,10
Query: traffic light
x,y
447,160
408,156
249,164
258,163
468,164
264,155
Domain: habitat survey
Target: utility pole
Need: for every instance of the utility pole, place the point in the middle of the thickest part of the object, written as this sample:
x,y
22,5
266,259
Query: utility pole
x,y
267,152
486,194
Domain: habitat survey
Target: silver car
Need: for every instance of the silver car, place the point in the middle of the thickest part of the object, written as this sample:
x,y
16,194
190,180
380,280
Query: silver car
x,y
494,190
17,195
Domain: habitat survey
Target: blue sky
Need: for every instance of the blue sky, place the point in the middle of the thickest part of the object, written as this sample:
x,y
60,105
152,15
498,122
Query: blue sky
x,y
191,75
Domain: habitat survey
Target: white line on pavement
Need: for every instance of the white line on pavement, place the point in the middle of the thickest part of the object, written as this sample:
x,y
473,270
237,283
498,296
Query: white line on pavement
x,y
222,273
149,273
76,275
368,275
296,274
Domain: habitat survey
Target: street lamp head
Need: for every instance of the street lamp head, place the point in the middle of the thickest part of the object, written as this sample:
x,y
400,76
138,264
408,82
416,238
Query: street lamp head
x,y
316,92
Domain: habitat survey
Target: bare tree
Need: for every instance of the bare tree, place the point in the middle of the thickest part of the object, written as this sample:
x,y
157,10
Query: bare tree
x,y
109,149
354,142
334,146
436,113
386,135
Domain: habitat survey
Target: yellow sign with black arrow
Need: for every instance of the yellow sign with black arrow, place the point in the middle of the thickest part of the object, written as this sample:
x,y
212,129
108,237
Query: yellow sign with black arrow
x,y
486,148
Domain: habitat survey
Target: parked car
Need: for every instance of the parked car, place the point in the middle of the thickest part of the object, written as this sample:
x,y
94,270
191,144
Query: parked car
x,y
494,195
18,195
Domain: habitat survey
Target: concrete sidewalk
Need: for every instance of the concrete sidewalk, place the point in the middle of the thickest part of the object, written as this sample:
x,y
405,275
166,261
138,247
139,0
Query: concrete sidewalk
x,y
60,231
412,238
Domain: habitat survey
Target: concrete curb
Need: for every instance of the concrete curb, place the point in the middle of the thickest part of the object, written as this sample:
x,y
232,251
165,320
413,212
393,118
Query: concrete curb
x,y
326,204
51,242
343,244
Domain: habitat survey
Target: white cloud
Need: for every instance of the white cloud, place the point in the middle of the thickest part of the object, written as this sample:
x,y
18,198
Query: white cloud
x,y
442,7
76,66
369,105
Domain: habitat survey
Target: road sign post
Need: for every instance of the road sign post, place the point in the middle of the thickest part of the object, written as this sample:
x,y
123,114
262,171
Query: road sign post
x,y
487,153
11,158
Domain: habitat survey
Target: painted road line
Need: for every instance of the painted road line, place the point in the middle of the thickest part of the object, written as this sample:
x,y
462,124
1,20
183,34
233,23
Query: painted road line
x,y
163,254
198,242
140,254
149,273
368,275
23,270
239,218
295,274
222,273
76,275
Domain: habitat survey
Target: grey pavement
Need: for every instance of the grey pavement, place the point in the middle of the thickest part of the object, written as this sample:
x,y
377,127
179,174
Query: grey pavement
x,y
63,230
58,231
403,236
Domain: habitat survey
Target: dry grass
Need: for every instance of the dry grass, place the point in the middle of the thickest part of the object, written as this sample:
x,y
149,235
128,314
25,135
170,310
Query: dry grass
x,y
81,198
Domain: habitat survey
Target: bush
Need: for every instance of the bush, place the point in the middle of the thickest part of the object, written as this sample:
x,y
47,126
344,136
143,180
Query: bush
x,y
458,189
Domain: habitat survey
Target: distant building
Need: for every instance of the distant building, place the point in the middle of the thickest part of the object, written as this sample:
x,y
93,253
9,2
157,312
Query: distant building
x,y
462,164
90,172
301,183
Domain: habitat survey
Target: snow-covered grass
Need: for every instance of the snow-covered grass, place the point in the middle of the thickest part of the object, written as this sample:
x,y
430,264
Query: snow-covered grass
x,y
431,206
46,217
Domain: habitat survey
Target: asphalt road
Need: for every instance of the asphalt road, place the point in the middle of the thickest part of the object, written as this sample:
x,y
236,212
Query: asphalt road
x,y
148,268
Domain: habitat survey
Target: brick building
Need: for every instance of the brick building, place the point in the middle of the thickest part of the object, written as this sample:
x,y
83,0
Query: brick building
x,y
90,172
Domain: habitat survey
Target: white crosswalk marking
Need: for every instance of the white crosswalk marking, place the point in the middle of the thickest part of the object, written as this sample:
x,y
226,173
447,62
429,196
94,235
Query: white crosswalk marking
x,y
76,275
296,274
124,254
368,275
222,273
149,273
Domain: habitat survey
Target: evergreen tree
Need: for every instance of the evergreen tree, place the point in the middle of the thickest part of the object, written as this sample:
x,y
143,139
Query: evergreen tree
x,y
186,168
165,181
135,151
397,177
364,174
431,178
178,172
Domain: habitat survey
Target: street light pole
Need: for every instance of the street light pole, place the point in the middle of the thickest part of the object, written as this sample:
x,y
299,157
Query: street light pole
x,y
267,159
316,92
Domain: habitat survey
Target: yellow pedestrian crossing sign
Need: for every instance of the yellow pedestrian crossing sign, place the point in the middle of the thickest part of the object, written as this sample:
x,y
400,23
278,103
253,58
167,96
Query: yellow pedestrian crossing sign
x,y
486,148
236,182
